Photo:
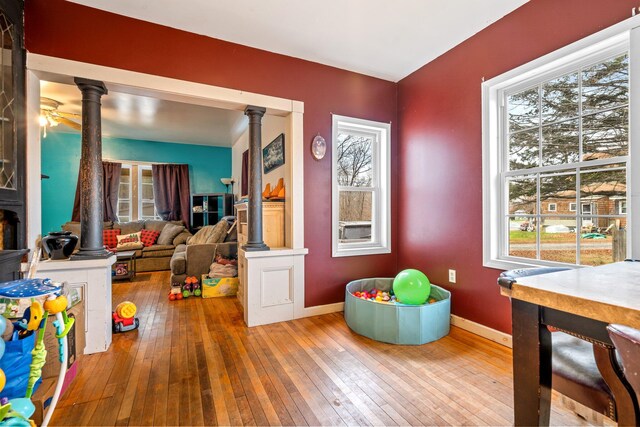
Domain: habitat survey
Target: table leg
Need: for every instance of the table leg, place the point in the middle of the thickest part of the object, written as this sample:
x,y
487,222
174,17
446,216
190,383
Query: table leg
x,y
531,365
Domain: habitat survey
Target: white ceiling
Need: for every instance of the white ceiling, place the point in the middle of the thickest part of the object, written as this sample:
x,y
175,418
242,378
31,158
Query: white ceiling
x,y
140,117
382,38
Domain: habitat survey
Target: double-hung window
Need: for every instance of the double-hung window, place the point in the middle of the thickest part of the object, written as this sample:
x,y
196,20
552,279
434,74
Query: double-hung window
x,y
556,136
135,196
361,211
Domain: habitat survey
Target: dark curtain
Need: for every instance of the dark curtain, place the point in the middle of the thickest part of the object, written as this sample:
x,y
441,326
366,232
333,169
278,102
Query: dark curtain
x,y
110,186
244,180
171,192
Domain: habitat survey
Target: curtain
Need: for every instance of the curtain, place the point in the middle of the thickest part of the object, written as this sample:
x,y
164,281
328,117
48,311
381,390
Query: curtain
x,y
171,192
244,180
110,186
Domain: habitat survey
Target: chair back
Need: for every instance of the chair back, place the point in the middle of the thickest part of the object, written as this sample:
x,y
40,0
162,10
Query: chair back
x,y
627,342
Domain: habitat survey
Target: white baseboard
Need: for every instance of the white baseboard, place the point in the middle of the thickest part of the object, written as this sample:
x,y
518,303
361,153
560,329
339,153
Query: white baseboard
x,y
481,330
323,309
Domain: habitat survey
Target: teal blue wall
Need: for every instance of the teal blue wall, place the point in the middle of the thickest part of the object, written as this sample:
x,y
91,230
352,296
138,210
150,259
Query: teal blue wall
x,y
61,160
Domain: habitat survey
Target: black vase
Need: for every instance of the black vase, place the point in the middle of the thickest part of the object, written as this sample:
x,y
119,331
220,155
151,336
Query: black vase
x,y
59,244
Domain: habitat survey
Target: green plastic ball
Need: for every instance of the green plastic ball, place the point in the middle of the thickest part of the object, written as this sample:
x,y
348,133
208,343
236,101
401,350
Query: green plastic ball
x,y
411,287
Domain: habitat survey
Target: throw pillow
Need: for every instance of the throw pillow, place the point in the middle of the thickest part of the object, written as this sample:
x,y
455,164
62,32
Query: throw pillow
x,y
181,238
169,232
129,242
149,237
110,238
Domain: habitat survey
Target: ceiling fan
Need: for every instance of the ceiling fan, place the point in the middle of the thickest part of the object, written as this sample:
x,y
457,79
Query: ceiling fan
x,y
51,116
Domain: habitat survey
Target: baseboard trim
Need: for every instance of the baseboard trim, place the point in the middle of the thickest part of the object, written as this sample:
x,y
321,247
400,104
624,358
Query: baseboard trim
x,y
481,330
323,309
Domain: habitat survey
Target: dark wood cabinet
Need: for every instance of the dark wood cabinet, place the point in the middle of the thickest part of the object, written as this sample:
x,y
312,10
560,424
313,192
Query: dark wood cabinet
x,y
209,208
12,126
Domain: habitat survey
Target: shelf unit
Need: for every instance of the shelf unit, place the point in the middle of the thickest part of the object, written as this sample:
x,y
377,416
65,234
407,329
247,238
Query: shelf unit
x,y
209,208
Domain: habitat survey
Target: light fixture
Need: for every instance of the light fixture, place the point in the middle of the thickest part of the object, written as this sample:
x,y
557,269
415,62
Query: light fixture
x,y
318,147
227,182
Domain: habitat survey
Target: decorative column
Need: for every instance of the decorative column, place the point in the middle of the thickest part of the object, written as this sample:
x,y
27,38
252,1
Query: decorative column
x,y
91,180
254,208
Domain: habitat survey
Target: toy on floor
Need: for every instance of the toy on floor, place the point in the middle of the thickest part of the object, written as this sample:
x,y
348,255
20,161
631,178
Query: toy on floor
x,y
384,297
18,411
176,292
124,317
191,287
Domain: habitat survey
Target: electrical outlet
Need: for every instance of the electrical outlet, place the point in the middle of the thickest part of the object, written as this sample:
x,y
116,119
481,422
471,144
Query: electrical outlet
x,y
452,276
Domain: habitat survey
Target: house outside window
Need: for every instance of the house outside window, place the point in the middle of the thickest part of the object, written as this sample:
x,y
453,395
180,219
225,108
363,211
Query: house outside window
x,y
556,133
135,197
361,211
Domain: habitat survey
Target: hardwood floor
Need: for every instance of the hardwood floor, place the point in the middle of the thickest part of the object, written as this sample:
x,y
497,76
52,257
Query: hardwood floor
x,y
193,362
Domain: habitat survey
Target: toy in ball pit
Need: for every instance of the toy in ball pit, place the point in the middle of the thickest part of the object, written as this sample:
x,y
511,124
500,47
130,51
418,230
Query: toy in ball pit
x,y
124,317
176,292
191,287
412,287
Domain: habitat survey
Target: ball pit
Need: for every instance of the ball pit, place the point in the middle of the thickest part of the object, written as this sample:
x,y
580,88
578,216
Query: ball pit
x,y
394,322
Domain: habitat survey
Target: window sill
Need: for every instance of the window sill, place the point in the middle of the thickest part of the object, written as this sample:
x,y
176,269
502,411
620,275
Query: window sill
x,y
360,251
505,264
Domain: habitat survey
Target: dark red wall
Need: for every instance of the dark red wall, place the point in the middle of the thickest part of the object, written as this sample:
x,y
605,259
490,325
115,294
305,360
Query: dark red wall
x,y
440,145
67,30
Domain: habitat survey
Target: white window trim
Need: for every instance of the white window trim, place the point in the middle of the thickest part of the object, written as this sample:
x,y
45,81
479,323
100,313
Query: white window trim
x,y
573,206
142,167
381,203
555,207
626,33
129,199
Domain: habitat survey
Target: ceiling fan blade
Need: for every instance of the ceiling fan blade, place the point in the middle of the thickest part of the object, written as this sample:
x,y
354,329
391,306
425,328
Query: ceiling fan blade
x,y
70,123
68,115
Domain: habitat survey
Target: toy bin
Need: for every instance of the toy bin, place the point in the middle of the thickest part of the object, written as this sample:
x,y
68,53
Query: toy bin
x,y
397,323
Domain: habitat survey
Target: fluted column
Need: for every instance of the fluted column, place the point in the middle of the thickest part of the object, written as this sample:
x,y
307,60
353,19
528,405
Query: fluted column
x,y
91,180
255,240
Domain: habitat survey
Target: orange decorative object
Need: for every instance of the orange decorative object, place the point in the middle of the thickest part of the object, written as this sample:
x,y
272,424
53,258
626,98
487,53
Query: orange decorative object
x,y
56,305
126,309
277,188
266,192
281,193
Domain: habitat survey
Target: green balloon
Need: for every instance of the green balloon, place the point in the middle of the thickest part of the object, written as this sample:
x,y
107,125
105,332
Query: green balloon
x,y
411,287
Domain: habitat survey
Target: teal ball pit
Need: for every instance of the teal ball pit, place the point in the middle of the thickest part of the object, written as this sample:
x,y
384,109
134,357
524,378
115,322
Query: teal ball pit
x,y
397,323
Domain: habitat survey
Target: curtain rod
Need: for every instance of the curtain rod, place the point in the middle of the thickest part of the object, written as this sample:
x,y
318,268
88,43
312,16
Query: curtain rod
x,y
138,162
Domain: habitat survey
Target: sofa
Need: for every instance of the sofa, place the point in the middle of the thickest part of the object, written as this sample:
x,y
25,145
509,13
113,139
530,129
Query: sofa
x,y
151,258
195,259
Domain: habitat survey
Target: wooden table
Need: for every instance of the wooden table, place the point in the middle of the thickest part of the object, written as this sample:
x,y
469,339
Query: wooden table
x,y
130,258
581,302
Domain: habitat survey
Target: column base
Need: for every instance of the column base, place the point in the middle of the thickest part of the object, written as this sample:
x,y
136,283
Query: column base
x,y
84,254
255,246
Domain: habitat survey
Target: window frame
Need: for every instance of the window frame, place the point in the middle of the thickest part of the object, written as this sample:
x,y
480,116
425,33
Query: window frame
x,y
555,207
135,191
622,37
381,187
130,198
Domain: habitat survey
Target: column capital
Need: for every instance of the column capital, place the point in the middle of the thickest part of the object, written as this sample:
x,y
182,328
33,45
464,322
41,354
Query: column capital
x,y
254,111
88,84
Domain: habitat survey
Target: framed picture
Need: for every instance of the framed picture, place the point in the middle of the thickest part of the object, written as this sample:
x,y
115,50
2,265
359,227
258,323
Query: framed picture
x,y
273,154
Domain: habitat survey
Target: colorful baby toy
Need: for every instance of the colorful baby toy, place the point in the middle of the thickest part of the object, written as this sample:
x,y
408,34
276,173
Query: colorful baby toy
x,y
124,317
386,297
176,292
191,287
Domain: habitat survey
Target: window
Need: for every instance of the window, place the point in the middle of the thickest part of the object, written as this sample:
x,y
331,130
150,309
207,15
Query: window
x,y
556,134
135,197
621,207
361,187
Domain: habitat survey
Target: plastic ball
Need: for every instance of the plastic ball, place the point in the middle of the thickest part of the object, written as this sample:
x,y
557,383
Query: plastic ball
x,y
3,379
411,287
126,309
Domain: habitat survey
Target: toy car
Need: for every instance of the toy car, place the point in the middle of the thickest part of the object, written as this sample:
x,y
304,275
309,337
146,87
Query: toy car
x,y
122,324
